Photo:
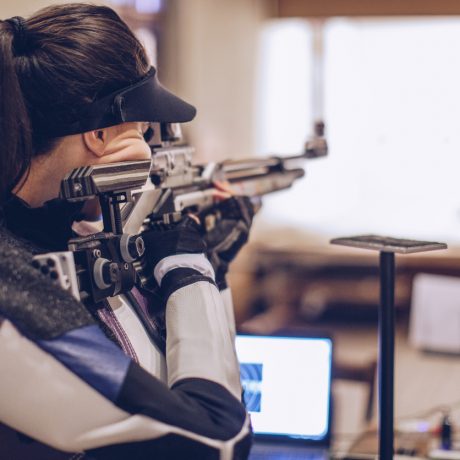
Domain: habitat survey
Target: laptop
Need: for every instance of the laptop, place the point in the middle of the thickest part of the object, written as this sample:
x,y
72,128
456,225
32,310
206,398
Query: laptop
x,y
287,391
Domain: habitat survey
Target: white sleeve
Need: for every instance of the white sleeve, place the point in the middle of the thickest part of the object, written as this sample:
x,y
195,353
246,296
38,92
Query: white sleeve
x,y
200,341
227,300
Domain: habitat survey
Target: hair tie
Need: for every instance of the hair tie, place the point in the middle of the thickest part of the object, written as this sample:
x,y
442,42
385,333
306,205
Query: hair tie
x,y
19,34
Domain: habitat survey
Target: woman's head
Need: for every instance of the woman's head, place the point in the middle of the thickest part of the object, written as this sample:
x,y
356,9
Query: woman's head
x,y
53,66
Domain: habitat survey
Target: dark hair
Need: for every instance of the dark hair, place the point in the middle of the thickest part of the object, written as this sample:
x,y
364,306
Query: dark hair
x,y
68,56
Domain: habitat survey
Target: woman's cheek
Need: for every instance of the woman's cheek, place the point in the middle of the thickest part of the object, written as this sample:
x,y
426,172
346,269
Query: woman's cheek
x,y
141,150
127,150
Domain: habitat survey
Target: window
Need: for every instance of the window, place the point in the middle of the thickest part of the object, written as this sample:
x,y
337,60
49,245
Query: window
x,y
392,112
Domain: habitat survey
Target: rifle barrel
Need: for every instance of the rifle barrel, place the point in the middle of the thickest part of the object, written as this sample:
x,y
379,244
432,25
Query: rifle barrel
x,y
273,162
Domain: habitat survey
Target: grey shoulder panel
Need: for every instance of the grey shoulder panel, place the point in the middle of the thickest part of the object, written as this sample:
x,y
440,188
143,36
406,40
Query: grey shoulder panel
x,y
30,300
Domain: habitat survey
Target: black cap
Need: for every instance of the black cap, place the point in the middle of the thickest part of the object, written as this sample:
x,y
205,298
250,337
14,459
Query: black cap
x,y
145,100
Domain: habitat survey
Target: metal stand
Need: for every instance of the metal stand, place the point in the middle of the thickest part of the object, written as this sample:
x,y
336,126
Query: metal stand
x,y
386,354
387,248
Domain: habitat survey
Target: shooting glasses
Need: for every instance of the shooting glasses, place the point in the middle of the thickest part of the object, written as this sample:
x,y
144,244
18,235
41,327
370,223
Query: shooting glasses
x,y
145,100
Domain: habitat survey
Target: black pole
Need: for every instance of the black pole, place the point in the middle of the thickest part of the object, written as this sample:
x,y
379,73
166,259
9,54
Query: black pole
x,y
387,351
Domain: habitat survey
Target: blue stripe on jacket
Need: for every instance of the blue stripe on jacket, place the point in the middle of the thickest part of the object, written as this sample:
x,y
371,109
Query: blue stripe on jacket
x,y
89,354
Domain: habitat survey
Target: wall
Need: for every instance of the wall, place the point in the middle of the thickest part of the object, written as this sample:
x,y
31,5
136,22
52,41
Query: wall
x,y
9,8
209,58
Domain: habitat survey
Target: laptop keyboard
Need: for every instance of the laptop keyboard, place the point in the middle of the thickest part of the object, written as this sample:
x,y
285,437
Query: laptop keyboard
x,y
274,452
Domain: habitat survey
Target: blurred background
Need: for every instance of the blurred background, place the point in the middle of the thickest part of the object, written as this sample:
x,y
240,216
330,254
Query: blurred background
x,y
384,76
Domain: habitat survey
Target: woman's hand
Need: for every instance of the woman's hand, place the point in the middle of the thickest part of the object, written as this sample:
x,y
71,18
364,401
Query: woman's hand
x,y
227,225
163,241
175,254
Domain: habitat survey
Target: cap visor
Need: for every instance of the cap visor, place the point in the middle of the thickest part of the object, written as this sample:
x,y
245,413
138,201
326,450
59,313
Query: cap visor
x,y
150,101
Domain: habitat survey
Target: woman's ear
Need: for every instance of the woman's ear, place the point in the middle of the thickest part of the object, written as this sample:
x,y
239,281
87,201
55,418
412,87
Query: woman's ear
x,y
96,141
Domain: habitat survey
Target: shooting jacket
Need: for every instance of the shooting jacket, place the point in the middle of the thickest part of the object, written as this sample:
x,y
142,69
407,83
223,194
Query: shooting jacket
x,y
74,382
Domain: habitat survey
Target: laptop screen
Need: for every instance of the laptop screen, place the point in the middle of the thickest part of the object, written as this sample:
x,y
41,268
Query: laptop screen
x,y
287,385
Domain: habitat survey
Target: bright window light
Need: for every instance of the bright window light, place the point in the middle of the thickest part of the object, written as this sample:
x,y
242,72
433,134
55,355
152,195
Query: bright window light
x,y
392,116
284,89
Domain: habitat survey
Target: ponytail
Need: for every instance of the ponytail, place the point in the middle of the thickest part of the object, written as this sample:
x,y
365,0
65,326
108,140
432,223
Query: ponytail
x,y
15,130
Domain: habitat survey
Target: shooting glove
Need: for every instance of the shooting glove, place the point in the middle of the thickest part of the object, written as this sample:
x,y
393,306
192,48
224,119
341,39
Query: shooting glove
x,y
232,220
176,255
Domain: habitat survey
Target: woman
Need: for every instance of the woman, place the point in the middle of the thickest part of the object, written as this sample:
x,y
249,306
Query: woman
x,y
76,89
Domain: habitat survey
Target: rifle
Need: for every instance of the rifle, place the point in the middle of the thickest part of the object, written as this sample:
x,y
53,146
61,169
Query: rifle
x,y
180,186
135,196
